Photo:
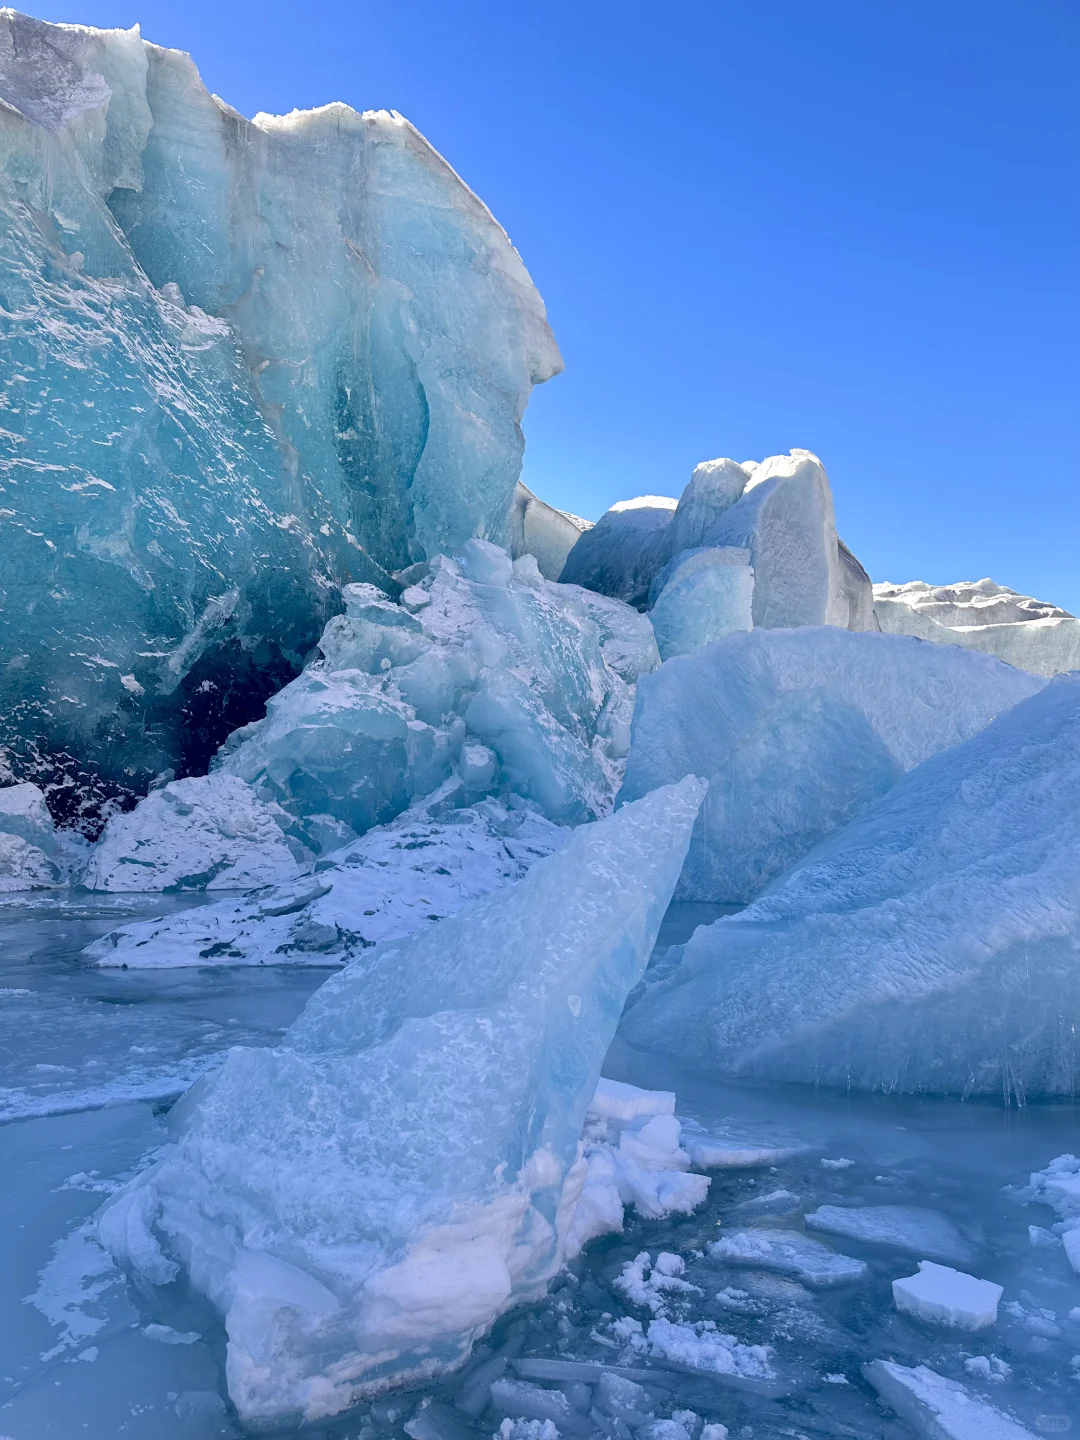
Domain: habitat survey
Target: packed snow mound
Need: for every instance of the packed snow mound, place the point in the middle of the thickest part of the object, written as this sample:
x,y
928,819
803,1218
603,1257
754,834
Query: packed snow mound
x,y
1031,634
779,510
932,945
206,833
396,879
246,362
364,1200
484,670
538,529
704,595
622,552
798,731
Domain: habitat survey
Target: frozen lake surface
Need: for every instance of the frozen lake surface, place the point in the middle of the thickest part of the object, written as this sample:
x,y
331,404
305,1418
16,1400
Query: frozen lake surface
x,y
90,1061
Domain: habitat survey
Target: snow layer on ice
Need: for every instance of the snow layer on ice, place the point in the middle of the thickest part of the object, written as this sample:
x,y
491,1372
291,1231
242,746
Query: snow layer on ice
x,y
787,1252
246,361
480,652
394,880
931,945
206,833
1030,634
797,731
900,1227
940,1409
362,1202
944,1296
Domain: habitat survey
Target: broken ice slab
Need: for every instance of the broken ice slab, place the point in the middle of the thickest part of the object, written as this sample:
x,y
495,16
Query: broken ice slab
x,y
787,1252
615,1100
944,1296
736,1146
913,1228
403,1168
940,1409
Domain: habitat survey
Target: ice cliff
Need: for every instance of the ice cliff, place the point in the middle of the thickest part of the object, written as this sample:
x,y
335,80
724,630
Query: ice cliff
x,y
245,362
364,1200
932,945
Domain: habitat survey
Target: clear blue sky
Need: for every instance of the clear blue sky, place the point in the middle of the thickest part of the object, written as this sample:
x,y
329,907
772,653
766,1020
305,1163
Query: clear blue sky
x,y
850,225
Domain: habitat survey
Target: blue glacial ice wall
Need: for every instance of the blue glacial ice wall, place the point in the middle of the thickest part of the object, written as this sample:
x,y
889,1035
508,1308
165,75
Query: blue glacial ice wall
x,y
245,362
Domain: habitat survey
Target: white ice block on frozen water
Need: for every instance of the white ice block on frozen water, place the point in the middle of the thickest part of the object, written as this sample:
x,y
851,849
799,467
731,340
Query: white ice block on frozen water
x,y
913,1228
363,1201
932,945
944,1296
797,731
940,1409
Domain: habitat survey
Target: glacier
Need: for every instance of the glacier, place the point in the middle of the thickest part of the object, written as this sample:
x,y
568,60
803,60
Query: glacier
x,y
797,731
982,615
931,945
245,362
362,1201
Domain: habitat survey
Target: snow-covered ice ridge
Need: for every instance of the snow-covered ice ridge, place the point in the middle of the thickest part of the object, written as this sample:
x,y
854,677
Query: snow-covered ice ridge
x,y
983,615
245,362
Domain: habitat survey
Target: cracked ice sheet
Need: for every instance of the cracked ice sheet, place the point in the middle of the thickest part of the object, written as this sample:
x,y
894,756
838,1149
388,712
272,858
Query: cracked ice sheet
x,y
396,879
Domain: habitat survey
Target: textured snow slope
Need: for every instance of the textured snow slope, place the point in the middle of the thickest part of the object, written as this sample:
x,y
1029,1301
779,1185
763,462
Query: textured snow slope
x,y
933,944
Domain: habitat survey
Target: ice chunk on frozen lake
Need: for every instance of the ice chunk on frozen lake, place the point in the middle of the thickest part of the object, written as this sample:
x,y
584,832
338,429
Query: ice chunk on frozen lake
x,y
705,595
900,1227
362,1202
396,879
206,833
479,651
932,945
940,1409
982,615
268,357
623,551
944,1296
797,731
787,1252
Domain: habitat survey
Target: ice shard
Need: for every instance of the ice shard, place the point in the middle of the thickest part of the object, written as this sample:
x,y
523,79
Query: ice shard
x,y
797,731
932,945
245,361
363,1201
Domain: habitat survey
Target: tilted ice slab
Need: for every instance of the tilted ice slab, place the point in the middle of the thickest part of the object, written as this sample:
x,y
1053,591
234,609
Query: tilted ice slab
x,y
245,362
913,1228
931,945
940,1409
395,880
622,552
484,670
205,833
538,529
797,732
982,615
362,1202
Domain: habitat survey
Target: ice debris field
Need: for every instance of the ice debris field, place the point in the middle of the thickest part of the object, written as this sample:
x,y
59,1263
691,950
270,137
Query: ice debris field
x,y
469,973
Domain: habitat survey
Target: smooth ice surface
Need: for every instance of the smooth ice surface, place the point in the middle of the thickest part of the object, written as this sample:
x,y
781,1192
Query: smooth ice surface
x,y
913,1228
364,1201
538,529
206,833
705,595
982,615
931,945
938,1408
396,879
622,552
944,1296
245,362
797,731
480,652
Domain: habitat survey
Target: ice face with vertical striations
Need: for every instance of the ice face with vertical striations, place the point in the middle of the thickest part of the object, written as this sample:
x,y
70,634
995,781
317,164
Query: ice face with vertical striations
x,y
797,731
485,672
932,945
244,363
363,1201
